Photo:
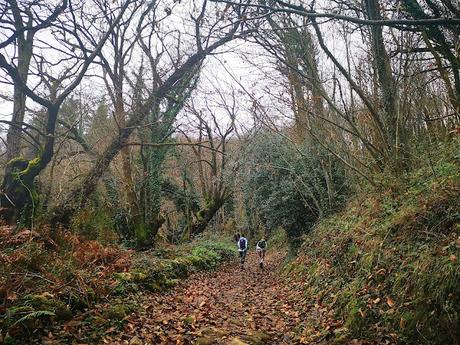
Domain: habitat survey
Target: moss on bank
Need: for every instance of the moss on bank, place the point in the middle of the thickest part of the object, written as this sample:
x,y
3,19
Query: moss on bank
x,y
387,269
160,270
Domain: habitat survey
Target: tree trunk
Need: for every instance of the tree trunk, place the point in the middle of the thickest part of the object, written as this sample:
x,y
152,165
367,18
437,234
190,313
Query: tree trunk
x,y
78,197
15,190
299,105
204,216
18,189
153,215
145,232
130,194
24,51
393,124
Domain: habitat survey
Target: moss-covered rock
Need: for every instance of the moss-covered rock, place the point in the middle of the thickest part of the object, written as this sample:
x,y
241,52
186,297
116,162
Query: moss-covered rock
x,y
119,311
179,267
210,335
206,340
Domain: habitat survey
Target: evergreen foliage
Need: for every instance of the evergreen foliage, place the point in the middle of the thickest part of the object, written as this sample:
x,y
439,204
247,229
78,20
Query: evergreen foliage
x,y
286,185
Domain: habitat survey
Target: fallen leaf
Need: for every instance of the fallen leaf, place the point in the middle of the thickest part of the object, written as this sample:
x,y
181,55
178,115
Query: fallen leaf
x,y
135,341
402,323
390,302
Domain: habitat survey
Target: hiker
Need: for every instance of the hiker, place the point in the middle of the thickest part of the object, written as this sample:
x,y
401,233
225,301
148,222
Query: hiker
x,y
242,249
261,247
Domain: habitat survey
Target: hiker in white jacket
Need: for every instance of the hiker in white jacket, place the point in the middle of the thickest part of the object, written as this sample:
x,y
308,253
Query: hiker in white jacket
x,y
261,247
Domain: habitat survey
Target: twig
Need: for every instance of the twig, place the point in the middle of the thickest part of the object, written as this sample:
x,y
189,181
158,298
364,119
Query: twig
x,y
200,144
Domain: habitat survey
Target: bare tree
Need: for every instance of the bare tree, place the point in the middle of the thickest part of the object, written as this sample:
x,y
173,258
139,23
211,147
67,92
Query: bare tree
x,y
18,188
215,172
437,23
22,23
114,59
155,98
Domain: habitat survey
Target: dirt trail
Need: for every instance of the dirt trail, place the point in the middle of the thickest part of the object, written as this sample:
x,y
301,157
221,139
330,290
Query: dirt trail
x,y
227,306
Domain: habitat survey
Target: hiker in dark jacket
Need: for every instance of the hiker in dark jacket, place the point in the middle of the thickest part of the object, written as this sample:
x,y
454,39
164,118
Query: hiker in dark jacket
x,y
242,249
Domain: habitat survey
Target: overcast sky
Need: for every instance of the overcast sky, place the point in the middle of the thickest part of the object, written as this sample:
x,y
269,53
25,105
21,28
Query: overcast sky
x,y
239,64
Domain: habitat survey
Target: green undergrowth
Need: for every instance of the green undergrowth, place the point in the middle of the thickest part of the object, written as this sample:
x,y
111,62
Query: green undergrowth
x,y
47,282
387,268
161,269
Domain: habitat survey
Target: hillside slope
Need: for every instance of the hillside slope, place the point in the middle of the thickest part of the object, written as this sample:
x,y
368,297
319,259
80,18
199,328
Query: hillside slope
x,y
386,269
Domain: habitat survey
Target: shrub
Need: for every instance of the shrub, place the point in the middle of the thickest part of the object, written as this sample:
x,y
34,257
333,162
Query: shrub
x,y
288,185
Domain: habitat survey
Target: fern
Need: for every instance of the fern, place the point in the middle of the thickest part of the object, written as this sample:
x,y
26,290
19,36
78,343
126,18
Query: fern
x,y
34,315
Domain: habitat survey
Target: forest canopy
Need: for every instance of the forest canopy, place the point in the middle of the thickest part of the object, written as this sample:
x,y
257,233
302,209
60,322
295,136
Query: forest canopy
x,y
139,109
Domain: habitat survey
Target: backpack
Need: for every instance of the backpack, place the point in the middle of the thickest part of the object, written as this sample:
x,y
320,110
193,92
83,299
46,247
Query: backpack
x,y
262,244
242,243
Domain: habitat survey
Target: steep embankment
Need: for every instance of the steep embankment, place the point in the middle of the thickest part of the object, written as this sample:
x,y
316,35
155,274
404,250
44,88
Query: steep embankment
x,y
386,269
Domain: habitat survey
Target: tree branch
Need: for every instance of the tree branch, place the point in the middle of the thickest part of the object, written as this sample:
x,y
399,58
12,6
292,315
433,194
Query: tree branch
x,y
302,11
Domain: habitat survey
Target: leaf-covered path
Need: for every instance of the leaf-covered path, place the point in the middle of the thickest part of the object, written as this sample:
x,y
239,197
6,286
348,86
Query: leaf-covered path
x,y
227,306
